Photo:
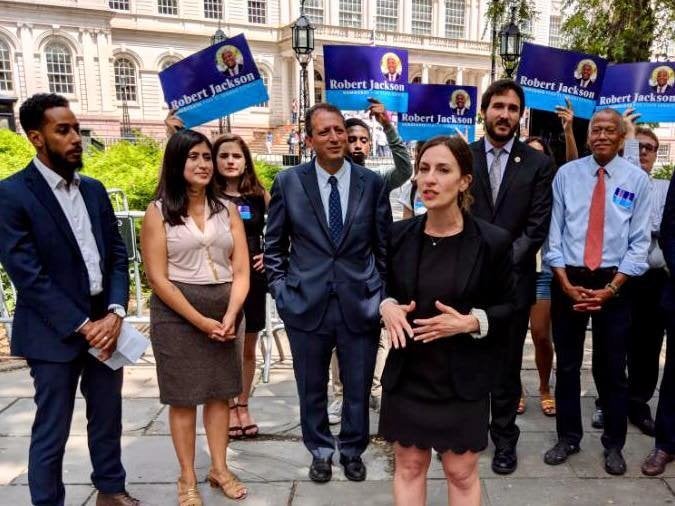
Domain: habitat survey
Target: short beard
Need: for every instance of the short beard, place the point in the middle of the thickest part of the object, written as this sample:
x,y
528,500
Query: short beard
x,y
500,138
62,163
359,158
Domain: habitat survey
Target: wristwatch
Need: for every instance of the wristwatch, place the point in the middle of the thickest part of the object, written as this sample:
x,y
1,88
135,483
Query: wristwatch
x,y
117,311
613,288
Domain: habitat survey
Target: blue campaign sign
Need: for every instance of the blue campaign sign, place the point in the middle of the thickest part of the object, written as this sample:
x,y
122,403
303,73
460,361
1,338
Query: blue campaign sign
x,y
438,109
648,87
549,75
214,82
354,73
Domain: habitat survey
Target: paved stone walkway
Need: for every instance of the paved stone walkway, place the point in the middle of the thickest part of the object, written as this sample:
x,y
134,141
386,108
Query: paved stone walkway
x,y
274,466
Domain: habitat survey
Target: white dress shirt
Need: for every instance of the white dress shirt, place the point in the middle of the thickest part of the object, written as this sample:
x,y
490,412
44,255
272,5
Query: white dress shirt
x,y
343,177
71,202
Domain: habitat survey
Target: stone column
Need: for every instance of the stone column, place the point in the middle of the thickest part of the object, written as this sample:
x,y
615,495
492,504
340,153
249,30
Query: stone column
x,y
88,60
425,73
107,87
26,84
459,80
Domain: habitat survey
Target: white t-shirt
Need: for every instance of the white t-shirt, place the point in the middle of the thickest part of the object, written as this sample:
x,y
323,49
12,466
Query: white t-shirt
x,y
404,199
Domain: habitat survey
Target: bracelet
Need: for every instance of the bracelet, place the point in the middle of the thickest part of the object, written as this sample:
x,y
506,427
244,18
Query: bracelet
x,y
612,288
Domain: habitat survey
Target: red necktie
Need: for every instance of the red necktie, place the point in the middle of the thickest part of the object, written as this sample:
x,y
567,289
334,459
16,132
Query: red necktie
x,y
596,224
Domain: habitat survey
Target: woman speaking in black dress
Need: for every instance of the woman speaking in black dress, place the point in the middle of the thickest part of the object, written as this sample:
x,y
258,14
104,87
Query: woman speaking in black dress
x,y
450,290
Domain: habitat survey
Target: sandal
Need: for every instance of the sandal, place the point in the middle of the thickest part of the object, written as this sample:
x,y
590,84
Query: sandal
x,y
249,431
521,405
235,431
188,496
231,487
548,404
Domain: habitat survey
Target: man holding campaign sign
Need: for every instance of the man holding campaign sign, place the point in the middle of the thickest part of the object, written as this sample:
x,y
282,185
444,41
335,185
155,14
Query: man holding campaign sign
x,y
214,82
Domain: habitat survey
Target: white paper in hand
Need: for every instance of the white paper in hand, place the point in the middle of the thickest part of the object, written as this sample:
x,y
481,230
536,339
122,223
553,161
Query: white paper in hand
x,y
131,344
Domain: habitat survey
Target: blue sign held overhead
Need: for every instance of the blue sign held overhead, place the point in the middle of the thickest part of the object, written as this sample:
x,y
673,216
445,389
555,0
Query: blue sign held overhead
x,y
649,87
438,109
549,75
214,82
354,73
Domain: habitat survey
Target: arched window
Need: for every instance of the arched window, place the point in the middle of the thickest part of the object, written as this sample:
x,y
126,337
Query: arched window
x,y
318,87
167,62
416,80
59,68
6,83
125,79
450,81
266,81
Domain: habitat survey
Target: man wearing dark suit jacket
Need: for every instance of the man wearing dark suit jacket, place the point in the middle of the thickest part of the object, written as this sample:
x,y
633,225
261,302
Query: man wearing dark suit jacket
x,y
325,262
513,191
664,448
63,252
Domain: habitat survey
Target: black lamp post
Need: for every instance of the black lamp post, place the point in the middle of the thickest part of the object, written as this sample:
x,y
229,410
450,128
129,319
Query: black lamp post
x,y
303,45
125,128
216,38
510,44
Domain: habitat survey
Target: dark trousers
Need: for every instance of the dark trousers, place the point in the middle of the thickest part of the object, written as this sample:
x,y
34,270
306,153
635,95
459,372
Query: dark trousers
x,y
55,387
611,329
311,361
665,413
505,394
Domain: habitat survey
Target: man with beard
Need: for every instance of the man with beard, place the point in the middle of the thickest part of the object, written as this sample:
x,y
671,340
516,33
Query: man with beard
x,y
512,189
358,148
62,250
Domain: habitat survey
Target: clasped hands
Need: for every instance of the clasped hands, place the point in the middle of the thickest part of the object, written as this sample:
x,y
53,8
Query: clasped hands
x,y
448,323
102,334
222,331
586,300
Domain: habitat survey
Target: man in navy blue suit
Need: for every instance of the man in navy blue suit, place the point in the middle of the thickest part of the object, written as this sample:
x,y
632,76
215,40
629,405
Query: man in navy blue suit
x,y
325,262
664,448
60,245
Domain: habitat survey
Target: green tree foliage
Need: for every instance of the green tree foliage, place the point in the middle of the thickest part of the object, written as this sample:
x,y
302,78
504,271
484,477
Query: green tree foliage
x,y
133,167
622,31
664,172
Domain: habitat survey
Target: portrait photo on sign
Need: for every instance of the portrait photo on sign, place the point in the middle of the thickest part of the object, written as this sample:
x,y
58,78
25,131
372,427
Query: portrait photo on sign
x,y
662,79
586,73
391,67
460,103
229,60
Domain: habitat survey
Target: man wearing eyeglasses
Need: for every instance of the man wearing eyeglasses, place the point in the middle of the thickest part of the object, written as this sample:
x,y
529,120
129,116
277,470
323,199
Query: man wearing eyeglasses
x,y
648,325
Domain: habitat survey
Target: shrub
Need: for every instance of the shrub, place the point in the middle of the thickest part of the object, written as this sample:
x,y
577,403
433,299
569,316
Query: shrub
x,y
15,152
665,172
266,172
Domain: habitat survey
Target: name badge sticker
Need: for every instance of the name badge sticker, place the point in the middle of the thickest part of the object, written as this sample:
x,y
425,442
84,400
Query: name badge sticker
x,y
245,212
623,198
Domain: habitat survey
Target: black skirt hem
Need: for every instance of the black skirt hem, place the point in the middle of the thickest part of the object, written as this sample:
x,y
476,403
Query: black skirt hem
x,y
435,446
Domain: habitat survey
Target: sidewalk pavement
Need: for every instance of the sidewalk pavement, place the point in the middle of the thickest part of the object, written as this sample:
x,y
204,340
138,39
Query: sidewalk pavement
x,y
274,466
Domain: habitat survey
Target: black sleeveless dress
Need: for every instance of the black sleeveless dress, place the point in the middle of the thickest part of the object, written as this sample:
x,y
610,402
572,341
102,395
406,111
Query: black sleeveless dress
x,y
423,410
252,211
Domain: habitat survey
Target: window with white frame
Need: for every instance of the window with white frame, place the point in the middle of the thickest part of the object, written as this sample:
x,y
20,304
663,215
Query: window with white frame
x,y
257,11
266,81
663,154
314,11
421,17
167,62
119,5
6,83
526,27
125,79
59,68
350,13
454,18
554,31
386,15
213,9
169,7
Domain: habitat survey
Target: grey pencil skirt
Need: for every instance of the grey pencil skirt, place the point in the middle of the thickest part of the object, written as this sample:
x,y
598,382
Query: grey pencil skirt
x,y
193,369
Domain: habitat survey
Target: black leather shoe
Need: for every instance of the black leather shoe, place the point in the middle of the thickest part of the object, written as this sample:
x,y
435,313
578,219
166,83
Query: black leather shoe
x,y
505,461
646,425
559,453
321,470
598,420
355,469
614,463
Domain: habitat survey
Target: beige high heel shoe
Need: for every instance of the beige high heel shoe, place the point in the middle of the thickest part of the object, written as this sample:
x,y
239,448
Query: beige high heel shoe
x,y
188,496
231,487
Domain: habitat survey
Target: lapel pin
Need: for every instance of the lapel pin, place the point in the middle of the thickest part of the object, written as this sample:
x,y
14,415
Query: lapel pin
x,y
517,159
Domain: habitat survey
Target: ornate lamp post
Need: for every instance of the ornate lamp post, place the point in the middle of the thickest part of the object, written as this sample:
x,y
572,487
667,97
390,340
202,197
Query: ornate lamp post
x,y
510,44
125,127
303,45
216,38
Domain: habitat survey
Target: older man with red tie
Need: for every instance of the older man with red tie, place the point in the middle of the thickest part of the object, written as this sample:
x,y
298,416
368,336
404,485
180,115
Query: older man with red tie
x,y
599,238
